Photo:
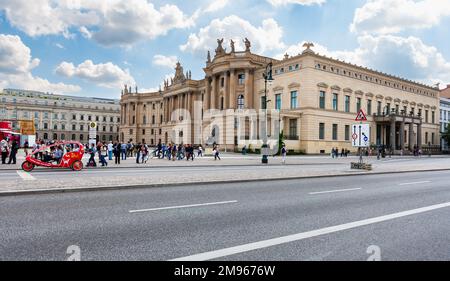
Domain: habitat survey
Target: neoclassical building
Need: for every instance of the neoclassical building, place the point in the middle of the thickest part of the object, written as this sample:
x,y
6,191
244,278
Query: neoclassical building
x,y
317,99
61,117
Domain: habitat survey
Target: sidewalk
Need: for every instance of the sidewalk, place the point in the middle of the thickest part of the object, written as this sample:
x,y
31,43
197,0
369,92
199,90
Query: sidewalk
x,y
227,159
206,170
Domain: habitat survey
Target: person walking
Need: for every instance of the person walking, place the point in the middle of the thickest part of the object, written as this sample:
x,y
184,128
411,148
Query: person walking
x,y
116,150
13,153
25,148
200,151
110,150
4,150
216,153
174,152
283,154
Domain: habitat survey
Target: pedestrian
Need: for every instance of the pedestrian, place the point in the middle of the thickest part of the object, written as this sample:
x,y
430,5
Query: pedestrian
x,y
138,152
4,150
332,153
159,148
91,161
13,152
244,150
283,154
25,148
123,150
342,153
110,150
174,152
216,153
200,151
116,150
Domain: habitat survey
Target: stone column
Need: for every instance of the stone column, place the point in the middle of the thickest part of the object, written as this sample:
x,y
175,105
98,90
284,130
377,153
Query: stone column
x,y
392,134
207,96
232,89
419,135
402,135
213,92
226,95
247,89
411,136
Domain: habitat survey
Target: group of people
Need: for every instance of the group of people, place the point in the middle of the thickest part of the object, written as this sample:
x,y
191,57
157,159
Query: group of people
x,y
174,152
9,150
335,152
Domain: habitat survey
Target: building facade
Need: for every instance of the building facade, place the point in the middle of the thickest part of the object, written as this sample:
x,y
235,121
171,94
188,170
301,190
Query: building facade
x,y
444,119
317,99
61,117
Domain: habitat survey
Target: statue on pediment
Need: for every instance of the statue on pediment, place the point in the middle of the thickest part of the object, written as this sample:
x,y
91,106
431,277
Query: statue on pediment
x,y
232,46
179,74
220,50
247,44
208,58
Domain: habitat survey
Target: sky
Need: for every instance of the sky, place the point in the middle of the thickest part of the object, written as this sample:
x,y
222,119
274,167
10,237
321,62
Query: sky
x,y
92,48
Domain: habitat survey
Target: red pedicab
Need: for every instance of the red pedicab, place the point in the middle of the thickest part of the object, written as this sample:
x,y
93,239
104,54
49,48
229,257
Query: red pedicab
x,y
71,159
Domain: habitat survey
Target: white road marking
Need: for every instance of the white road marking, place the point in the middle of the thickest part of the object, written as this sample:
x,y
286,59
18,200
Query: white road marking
x,y
304,235
412,183
184,206
333,191
26,176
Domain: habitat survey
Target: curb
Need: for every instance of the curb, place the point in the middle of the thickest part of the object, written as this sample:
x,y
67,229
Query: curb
x,y
109,188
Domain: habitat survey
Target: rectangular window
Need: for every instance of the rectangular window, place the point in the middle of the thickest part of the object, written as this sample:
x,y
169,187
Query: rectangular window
x,y
347,103
81,128
278,101
358,104
432,138
293,99
347,132
396,109
335,102
241,79
321,131
335,131
369,107
263,102
293,128
432,117
322,100
388,108
222,82
74,117
379,108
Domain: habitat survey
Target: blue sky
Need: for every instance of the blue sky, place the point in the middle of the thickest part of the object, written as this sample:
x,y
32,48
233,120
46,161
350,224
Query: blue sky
x,y
91,48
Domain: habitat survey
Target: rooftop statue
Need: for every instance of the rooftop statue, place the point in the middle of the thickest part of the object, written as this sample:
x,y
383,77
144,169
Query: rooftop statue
x,y
247,44
232,45
220,50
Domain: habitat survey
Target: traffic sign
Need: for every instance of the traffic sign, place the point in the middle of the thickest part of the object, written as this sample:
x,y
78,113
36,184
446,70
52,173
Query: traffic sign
x,y
360,135
92,130
361,116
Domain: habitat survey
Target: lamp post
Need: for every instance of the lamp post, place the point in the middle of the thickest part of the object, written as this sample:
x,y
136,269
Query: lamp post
x,y
267,75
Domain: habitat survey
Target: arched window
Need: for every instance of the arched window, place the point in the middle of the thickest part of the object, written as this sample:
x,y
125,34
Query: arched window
x,y
240,102
81,137
73,137
45,136
221,103
144,121
55,136
63,136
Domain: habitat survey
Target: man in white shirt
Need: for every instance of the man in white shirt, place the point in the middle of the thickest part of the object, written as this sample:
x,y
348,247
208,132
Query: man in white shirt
x,y
4,150
110,150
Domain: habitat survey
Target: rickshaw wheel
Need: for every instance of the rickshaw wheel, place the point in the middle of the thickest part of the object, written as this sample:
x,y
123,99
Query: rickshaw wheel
x,y
77,166
27,166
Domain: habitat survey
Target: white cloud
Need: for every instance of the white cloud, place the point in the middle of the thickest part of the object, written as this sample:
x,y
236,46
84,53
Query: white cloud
x,y
16,64
59,46
166,61
216,5
115,22
394,16
264,38
405,57
44,17
104,74
277,3
85,32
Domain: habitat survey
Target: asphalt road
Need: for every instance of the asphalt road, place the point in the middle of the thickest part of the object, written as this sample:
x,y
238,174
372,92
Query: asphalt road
x,y
345,218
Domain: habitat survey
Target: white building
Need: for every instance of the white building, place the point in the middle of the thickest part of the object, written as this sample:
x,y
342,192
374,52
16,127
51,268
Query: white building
x,y
61,117
444,119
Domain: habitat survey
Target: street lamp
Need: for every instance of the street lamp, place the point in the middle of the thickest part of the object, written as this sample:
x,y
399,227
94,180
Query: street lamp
x,y
267,75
